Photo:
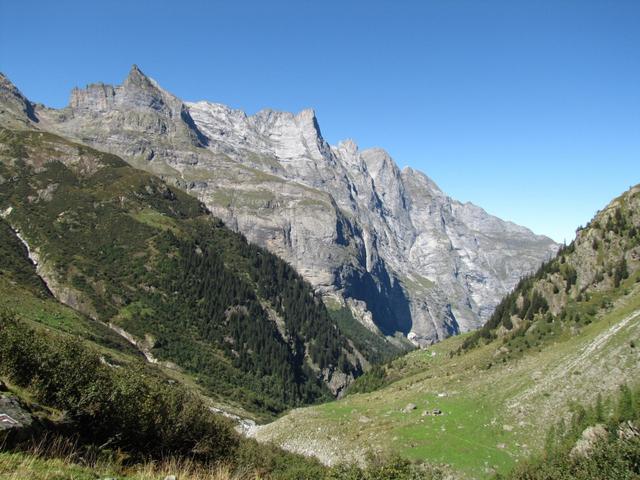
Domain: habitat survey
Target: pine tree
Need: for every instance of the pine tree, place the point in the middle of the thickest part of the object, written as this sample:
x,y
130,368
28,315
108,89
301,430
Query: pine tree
x,y
625,409
599,416
621,272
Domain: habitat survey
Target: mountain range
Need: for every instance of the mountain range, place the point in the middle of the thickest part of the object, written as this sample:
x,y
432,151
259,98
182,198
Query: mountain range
x,y
386,244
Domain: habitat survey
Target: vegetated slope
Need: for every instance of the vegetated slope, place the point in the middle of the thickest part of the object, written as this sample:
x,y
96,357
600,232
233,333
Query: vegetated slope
x,y
601,441
121,247
500,389
26,296
88,380
568,291
88,392
81,392
388,244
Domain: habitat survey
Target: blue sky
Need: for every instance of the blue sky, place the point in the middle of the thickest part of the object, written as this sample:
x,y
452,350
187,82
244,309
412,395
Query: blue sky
x,y
530,109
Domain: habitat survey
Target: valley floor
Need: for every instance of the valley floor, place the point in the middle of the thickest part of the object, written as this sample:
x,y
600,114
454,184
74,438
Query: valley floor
x,y
492,416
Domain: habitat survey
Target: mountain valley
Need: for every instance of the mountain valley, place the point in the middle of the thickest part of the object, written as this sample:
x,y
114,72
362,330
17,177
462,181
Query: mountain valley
x,y
482,402
187,287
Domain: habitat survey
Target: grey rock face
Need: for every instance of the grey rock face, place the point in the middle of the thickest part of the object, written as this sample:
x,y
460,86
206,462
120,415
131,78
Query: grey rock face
x,y
17,424
390,242
137,120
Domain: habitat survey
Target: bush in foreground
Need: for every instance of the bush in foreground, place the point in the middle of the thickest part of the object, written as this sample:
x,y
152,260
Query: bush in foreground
x,y
132,407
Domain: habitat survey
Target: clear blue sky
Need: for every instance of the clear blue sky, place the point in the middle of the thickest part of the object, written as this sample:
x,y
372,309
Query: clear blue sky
x,y
530,109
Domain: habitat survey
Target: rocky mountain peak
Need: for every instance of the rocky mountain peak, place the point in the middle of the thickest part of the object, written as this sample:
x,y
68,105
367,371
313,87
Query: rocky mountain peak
x,y
133,116
307,120
380,164
349,146
141,91
137,91
137,77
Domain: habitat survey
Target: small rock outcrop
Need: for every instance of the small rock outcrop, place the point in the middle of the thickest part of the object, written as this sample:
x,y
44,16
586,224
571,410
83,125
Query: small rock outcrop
x,y
409,408
588,440
628,431
17,424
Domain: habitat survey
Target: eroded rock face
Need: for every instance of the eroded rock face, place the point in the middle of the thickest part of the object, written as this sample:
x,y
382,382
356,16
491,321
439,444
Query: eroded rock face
x,y
349,221
17,424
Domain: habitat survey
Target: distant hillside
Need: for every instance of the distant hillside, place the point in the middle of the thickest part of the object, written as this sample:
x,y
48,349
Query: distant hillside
x,y
573,289
121,247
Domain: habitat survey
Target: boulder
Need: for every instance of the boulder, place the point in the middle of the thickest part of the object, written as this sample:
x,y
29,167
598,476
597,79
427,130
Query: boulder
x,y
410,407
16,422
628,431
588,440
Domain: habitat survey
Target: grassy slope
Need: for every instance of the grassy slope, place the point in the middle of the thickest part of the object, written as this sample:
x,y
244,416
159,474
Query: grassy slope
x,y
492,417
15,466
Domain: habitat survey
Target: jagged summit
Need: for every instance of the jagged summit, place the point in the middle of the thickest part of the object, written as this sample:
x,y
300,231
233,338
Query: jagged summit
x,y
385,243
137,91
137,119
136,75
348,145
142,90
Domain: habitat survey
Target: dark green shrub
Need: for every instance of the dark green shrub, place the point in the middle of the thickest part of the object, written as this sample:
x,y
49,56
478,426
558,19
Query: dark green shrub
x,y
374,379
132,408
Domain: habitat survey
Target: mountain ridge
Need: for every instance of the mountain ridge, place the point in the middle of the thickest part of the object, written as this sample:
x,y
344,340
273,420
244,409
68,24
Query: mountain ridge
x,y
386,243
